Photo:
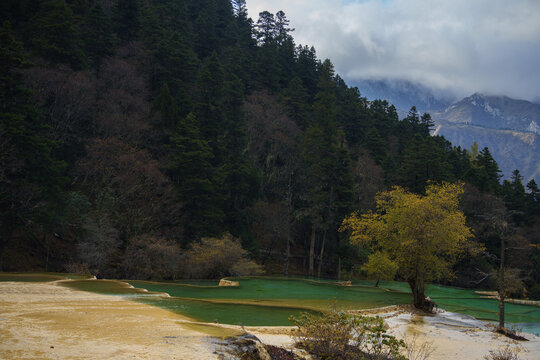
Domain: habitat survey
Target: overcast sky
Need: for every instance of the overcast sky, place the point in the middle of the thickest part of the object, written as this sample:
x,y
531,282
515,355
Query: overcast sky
x,y
490,46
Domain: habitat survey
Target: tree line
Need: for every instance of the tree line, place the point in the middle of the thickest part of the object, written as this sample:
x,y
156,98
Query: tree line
x,y
139,127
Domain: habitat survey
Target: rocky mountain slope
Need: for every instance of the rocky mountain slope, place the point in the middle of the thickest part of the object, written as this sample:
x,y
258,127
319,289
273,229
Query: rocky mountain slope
x,y
495,112
508,127
511,149
403,94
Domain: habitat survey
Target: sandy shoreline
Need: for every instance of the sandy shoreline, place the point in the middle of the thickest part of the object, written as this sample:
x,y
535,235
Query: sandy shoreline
x,y
46,321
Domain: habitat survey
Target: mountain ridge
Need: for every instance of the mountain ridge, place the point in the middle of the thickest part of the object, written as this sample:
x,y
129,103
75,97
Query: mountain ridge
x,y
496,112
501,123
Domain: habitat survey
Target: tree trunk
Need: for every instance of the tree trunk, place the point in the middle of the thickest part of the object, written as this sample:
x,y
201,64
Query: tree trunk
x,y
502,291
312,250
289,221
321,255
377,283
419,298
48,241
501,311
288,255
339,268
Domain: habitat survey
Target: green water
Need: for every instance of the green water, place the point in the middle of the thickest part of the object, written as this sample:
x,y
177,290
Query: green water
x,y
236,314
268,301
324,295
296,293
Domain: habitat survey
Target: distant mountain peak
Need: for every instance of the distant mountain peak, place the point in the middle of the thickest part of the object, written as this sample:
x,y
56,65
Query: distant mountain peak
x,y
509,127
495,112
533,127
404,94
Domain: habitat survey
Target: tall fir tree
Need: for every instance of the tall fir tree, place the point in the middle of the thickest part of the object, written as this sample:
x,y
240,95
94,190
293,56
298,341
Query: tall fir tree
x,y
98,36
55,36
126,19
197,180
31,179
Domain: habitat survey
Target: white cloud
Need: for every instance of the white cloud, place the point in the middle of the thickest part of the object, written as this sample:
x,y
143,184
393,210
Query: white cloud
x,y
491,46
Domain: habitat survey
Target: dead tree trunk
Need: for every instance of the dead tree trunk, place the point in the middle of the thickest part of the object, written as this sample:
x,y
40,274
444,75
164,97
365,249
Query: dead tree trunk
x,y
502,291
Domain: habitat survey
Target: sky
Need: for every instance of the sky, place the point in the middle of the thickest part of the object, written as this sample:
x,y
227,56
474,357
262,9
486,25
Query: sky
x,y
463,46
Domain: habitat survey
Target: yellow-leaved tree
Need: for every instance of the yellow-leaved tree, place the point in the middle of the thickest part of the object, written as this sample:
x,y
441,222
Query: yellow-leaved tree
x,y
422,234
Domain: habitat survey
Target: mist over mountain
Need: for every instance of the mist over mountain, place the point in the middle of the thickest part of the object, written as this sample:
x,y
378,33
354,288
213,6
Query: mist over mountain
x,y
403,94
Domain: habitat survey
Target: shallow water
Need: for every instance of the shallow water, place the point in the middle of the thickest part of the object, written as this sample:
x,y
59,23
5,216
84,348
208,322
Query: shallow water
x,y
267,301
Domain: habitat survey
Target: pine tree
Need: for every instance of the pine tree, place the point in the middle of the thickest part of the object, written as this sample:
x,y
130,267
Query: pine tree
x,y
427,124
515,198
533,198
175,62
98,36
265,29
485,173
197,180
296,100
167,106
55,35
126,19
30,178
209,104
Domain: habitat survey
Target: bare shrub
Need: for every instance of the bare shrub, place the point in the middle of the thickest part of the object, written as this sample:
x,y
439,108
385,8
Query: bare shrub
x,y
245,267
505,353
150,257
214,258
417,349
340,335
77,268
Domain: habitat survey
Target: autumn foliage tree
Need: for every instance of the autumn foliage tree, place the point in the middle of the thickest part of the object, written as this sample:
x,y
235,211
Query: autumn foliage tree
x,y
422,234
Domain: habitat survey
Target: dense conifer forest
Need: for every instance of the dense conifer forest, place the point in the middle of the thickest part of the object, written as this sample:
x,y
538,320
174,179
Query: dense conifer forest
x,y
132,129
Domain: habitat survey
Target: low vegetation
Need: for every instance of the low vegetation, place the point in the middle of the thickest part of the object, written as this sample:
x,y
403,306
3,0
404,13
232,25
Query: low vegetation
x,y
339,335
214,258
505,353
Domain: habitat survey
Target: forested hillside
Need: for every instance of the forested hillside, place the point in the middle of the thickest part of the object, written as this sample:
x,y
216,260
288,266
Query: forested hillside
x,y
129,130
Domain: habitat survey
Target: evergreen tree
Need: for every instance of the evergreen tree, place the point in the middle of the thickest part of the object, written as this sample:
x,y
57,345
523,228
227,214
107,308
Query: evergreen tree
x,y
197,180
265,29
167,106
175,62
30,178
533,198
209,104
424,159
485,173
98,36
307,67
126,19
55,35
376,145
240,8
296,99
281,29
427,124
241,181
515,198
